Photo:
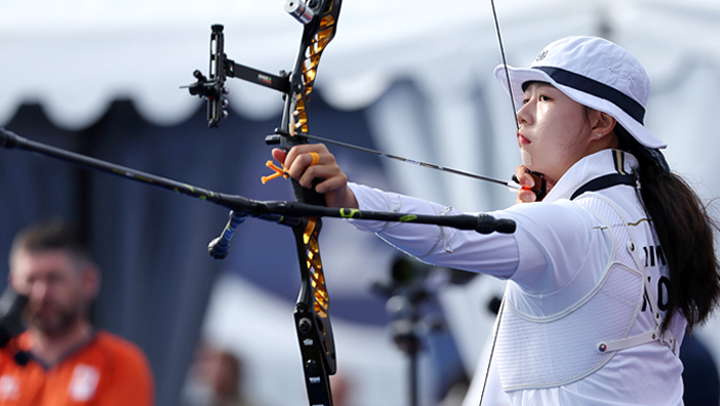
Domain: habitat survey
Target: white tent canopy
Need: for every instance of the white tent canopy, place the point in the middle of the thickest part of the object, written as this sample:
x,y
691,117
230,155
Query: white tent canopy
x,y
75,57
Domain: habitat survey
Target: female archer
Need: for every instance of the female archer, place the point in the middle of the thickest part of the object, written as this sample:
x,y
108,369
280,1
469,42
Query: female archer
x,y
607,271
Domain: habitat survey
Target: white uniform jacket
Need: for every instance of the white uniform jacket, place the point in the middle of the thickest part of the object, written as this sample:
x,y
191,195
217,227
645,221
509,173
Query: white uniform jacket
x,y
573,285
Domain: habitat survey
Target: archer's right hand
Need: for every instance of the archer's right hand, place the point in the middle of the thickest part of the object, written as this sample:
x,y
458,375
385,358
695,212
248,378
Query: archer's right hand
x,y
532,185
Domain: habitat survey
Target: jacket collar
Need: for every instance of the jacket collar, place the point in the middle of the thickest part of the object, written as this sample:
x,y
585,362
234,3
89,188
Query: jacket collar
x,y
605,162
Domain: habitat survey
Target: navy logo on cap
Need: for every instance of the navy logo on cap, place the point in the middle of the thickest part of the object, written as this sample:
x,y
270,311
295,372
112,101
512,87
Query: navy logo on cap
x,y
541,55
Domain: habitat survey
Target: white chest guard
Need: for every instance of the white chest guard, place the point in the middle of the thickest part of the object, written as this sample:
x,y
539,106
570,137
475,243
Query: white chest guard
x,y
543,352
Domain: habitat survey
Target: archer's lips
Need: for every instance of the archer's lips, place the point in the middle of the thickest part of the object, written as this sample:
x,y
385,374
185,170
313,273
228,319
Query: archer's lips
x,y
522,140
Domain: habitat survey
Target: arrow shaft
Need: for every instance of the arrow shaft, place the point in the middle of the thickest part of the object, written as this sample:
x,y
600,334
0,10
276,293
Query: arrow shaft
x,y
511,185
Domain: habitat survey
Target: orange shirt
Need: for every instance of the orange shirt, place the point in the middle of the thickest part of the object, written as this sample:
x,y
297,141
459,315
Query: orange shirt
x,y
105,371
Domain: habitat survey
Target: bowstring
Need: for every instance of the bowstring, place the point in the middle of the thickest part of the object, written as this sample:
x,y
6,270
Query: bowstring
x,y
496,328
504,61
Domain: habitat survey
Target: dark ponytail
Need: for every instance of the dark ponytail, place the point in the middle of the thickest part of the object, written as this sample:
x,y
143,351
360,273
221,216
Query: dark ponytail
x,y
686,234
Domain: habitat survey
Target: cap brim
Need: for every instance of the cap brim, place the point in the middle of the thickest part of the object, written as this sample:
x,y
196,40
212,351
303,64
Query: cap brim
x,y
518,76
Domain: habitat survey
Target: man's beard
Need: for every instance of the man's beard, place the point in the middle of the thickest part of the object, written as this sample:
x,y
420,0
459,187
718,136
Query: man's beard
x,y
55,324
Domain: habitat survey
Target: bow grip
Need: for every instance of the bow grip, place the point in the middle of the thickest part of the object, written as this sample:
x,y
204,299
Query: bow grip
x,y
302,194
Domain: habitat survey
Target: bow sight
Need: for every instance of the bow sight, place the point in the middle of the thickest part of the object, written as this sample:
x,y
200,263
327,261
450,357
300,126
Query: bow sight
x,y
221,68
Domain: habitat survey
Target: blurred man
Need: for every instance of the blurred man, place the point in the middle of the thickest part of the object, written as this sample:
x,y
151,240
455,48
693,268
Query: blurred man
x,y
70,363
215,379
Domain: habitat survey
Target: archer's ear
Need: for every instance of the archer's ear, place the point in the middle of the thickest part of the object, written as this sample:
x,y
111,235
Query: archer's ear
x,y
601,123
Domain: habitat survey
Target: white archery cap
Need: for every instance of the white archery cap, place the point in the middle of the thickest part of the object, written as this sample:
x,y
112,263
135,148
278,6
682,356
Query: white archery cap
x,y
595,73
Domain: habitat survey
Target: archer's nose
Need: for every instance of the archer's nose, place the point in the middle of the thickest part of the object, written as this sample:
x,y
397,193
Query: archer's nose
x,y
523,116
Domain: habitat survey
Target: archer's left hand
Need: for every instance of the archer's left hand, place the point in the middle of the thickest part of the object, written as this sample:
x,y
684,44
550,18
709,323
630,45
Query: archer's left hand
x,y
299,165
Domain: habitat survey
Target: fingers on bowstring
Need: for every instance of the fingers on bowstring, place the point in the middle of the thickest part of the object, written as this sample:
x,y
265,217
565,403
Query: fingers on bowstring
x,y
526,195
524,177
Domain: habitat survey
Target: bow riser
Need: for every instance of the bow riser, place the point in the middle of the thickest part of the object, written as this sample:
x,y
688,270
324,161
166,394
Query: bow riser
x,y
312,318
316,35
312,321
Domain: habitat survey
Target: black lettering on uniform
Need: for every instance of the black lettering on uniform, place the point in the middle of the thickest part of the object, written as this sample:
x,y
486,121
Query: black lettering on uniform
x,y
661,255
663,301
652,253
652,256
